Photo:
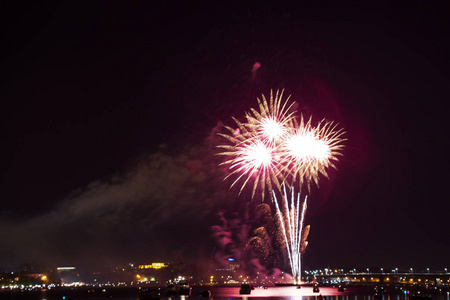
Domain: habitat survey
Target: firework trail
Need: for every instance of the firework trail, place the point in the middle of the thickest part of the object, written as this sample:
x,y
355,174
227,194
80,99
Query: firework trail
x,y
291,221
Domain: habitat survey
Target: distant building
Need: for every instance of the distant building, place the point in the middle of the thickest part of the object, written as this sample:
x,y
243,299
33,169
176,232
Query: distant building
x,y
68,275
155,265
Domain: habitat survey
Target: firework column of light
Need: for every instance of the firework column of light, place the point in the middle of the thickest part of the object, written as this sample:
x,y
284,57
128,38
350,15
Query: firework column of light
x,y
292,229
273,148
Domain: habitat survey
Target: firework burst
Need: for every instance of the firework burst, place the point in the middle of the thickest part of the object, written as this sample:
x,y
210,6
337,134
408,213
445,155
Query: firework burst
x,y
272,146
309,151
255,144
272,121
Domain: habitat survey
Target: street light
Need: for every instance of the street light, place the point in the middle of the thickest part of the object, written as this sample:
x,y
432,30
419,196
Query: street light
x,y
428,270
411,270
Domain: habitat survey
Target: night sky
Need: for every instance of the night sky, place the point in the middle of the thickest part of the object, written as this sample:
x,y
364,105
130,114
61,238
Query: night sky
x,y
110,113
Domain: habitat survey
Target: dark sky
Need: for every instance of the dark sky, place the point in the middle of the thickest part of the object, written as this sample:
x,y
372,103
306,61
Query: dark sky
x,y
110,109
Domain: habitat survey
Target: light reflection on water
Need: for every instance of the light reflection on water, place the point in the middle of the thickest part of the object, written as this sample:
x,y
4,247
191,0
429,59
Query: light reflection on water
x,y
287,292
305,293
232,293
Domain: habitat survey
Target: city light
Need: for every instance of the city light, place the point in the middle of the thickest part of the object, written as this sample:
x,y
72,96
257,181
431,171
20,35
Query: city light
x,y
378,277
155,265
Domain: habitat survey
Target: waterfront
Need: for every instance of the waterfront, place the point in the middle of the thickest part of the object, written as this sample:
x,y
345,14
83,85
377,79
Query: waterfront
x,y
222,293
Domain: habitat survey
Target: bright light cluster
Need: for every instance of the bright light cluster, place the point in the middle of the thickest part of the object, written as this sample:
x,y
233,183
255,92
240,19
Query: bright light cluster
x,y
291,215
274,146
